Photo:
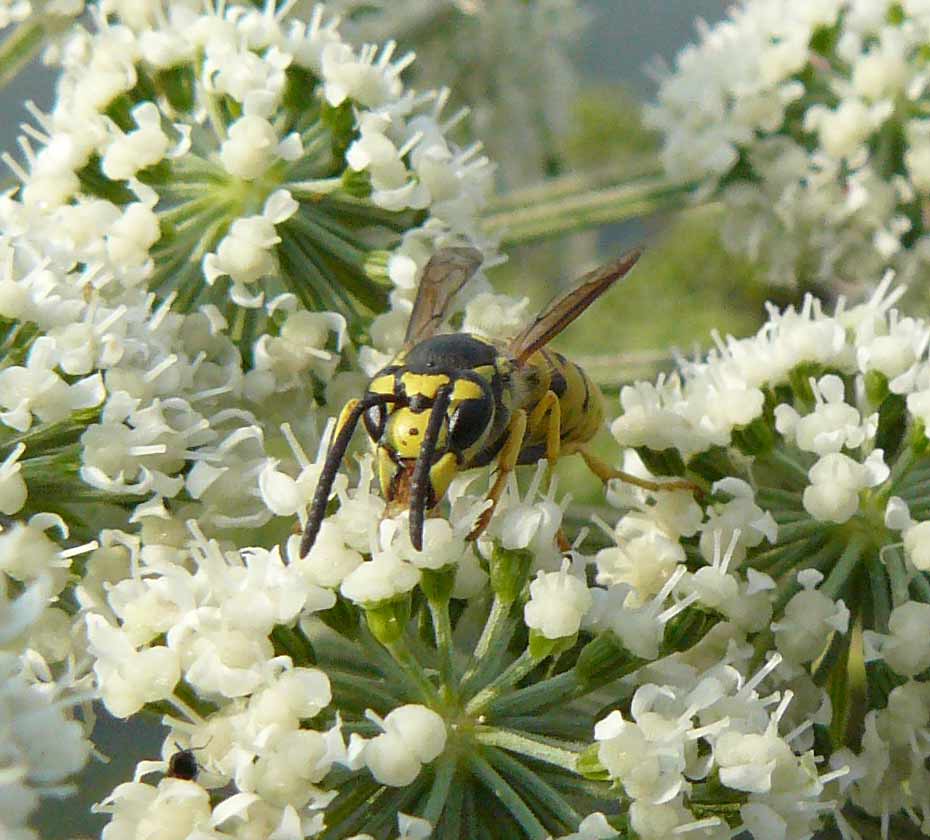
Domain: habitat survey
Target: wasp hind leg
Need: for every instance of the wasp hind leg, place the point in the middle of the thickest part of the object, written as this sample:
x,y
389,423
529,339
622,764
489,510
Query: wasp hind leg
x,y
605,473
506,461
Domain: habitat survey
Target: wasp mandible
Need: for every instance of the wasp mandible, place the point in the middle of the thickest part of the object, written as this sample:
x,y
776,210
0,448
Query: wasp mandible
x,y
453,402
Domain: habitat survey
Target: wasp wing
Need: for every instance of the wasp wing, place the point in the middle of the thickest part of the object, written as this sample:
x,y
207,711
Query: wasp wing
x,y
446,272
563,309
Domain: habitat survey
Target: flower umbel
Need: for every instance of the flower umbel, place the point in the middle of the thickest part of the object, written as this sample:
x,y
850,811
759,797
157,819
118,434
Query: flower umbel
x,y
809,121
233,155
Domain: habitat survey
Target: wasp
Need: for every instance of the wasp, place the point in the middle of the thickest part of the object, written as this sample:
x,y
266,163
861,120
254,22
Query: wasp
x,y
454,402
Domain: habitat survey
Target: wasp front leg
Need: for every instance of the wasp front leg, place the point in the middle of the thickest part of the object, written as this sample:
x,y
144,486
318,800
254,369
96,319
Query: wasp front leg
x,y
506,461
605,473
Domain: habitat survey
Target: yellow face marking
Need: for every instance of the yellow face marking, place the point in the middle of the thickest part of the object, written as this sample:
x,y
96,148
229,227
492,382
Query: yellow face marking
x,y
442,473
386,470
465,389
406,429
382,384
426,384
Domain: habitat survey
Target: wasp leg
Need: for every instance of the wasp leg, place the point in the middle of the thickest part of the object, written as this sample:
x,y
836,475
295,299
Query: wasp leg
x,y
605,472
506,461
548,411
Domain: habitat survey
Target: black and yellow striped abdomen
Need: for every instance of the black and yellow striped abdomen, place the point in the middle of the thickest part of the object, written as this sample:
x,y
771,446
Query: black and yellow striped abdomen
x,y
581,404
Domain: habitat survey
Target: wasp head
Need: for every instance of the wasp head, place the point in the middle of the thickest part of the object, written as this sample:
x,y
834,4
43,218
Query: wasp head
x,y
435,423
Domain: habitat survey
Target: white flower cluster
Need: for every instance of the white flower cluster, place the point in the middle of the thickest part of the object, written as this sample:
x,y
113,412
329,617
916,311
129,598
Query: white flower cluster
x,y
206,616
821,419
712,725
150,403
806,118
509,60
233,155
42,745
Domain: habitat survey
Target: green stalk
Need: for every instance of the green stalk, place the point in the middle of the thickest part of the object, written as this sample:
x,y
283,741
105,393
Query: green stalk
x,y
491,638
439,792
442,631
517,742
509,677
19,48
403,656
546,693
845,566
881,595
781,459
897,575
556,209
535,786
498,786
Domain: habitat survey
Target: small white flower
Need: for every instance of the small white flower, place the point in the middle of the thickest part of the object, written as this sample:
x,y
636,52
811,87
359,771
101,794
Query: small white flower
x,y
558,602
413,736
144,147
809,619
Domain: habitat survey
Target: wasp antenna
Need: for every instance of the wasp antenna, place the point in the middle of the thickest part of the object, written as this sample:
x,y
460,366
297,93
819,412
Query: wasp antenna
x,y
419,481
334,457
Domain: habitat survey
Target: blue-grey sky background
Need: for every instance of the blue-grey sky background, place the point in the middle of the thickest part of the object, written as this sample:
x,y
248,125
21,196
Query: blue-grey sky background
x,y
624,35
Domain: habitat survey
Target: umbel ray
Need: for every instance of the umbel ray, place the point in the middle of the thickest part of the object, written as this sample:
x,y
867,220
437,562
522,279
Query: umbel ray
x,y
453,402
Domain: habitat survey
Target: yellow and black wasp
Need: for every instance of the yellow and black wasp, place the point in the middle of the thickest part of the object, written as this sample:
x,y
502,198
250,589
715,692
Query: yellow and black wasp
x,y
453,402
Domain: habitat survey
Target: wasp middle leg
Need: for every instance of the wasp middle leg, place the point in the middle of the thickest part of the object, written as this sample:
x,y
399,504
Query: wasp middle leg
x,y
506,461
547,414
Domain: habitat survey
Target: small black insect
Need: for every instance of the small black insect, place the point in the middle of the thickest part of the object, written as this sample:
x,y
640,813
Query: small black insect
x,y
183,765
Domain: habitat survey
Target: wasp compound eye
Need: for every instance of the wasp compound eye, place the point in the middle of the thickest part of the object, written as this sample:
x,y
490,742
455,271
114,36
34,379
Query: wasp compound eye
x,y
374,420
469,422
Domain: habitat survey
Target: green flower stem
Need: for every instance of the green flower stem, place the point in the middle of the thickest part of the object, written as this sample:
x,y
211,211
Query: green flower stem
x,y
799,530
902,465
442,787
403,656
452,827
381,817
363,692
532,784
881,594
410,675
509,677
365,800
508,797
442,630
314,189
294,643
786,464
491,638
54,435
914,480
19,48
308,223
798,559
897,574
775,497
921,587
517,742
837,652
839,575
548,692
784,553
556,208
564,724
